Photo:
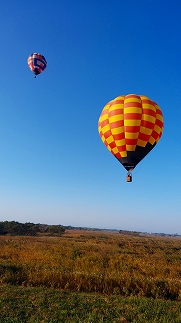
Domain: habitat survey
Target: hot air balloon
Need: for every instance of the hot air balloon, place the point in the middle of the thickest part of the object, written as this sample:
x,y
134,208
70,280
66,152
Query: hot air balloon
x,y
37,63
130,126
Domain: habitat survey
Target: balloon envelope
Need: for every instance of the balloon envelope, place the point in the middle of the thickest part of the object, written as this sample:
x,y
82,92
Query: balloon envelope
x,y
130,126
37,63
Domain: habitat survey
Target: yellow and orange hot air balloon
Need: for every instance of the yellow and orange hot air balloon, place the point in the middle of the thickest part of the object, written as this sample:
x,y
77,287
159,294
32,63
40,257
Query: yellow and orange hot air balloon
x,y
130,126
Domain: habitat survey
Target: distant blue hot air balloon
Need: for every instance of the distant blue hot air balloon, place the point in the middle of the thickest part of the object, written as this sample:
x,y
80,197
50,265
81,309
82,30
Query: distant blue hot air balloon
x,y
37,63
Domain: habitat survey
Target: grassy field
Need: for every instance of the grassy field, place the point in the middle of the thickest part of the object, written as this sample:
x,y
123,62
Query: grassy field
x,y
35,305
87,276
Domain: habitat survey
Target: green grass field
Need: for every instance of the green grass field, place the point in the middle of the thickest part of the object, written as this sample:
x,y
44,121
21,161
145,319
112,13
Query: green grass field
x,y
32,304
87,276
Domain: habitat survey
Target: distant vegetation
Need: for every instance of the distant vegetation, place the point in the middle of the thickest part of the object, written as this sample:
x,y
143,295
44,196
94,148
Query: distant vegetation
x,y
29,229
86,261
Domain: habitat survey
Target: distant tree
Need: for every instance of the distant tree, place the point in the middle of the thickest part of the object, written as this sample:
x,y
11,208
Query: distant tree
x,y
55,230
42,227
12,227
29,229
2,229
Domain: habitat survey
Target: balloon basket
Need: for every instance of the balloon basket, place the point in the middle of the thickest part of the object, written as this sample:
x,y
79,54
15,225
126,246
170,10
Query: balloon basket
x,y
129,178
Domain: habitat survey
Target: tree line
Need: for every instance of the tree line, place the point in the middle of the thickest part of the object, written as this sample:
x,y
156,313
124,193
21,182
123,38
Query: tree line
x,y
30,229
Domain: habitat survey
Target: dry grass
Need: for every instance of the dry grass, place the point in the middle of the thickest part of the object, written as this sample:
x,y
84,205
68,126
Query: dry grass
x,y
107,263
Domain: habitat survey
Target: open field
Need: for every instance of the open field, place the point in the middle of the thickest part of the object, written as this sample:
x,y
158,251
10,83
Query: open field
x,y
107,263
46,305
121,278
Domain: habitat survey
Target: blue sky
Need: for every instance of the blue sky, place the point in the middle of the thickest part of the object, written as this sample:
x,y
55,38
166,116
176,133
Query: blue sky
x,y
54,167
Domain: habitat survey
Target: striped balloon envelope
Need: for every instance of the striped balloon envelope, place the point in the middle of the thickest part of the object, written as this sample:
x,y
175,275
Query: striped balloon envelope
x,y
130,126
37,63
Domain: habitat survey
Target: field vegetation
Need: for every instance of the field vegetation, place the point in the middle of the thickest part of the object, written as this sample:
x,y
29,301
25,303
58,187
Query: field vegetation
x,y
107,267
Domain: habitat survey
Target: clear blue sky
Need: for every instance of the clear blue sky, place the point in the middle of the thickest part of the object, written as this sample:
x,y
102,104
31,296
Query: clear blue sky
x,y
54,167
